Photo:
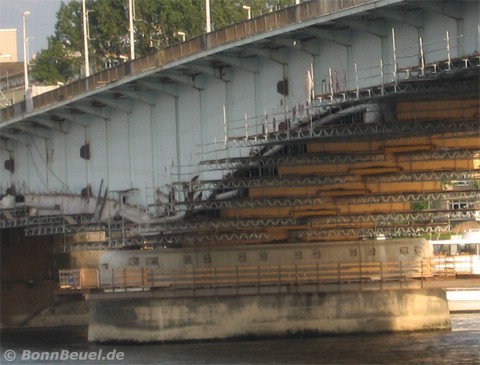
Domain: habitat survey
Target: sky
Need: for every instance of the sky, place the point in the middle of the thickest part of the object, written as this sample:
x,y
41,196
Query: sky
x,y
40,23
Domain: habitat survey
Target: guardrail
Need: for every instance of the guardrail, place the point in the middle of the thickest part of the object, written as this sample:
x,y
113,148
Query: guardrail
x,y
235,32
246,276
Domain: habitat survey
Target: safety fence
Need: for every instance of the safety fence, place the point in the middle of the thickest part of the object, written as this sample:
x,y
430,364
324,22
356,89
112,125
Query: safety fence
x,y
321,274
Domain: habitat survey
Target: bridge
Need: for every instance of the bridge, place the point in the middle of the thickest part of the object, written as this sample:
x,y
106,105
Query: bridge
x,y
328,120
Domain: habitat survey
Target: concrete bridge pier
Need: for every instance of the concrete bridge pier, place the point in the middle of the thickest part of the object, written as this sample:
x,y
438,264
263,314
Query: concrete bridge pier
x,y
153,319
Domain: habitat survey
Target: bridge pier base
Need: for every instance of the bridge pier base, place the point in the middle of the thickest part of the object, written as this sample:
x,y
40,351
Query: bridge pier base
x,y
151,319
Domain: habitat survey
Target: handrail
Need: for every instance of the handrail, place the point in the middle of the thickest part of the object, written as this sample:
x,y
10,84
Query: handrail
x,y
257,275
161,58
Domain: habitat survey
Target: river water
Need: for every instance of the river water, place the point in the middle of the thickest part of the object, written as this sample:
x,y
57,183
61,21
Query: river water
x,y
70,346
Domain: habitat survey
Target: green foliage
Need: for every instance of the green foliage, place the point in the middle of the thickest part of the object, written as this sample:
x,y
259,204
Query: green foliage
x,y
421,205
55,64
228,12
156,25
61,62
158,21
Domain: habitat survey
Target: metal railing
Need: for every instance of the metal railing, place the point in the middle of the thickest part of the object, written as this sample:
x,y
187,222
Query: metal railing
x,y
235,32
321,275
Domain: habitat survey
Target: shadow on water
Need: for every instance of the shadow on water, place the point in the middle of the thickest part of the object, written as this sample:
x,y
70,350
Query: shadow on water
x,y
459,346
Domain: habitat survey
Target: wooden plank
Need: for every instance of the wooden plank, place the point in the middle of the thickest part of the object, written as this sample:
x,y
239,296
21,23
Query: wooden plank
x,y
438,109
384,208
408,148
376,170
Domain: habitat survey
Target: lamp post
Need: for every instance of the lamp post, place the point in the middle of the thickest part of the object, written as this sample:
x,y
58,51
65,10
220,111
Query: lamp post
x,y
182,34
25,55
85,40
249,11
131,29
208,25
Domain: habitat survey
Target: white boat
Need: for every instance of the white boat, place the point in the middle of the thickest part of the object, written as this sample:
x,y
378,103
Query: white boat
x,y
463,299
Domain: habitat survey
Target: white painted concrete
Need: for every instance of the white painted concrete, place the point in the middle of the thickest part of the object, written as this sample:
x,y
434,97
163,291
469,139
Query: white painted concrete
x,y
157,145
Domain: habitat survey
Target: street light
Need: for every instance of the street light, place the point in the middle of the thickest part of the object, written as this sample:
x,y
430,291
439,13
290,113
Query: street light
x,y
208,25
131,29
25,55
249,11
182,34
85,39
28,47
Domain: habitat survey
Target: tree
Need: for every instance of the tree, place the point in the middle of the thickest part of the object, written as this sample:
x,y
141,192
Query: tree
x,y
158,21
228,12
156,25
56,64
60,62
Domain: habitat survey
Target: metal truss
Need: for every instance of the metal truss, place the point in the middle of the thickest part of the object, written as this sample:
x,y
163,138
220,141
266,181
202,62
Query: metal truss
x,y
246,203
49,229
196,232
472,195
279,181
407,231
345,158
89,246
185,229
23,219
411,197
431,83
112,243
47,225
329,180
364,131
355,199
216,231
238,183
417,80
443,76
166,241
425,176
186,239
434,217
358,131
327,234
215,225
185,233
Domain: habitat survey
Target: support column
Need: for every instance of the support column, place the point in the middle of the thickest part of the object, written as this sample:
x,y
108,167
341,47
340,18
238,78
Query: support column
x,y
152,151
86,141
178,138
129,147
107,152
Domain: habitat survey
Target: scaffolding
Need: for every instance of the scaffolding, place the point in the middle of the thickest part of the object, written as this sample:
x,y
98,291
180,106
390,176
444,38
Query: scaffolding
x,y
317,181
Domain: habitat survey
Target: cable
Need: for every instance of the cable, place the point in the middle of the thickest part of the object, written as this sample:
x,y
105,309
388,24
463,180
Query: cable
x,y
64,186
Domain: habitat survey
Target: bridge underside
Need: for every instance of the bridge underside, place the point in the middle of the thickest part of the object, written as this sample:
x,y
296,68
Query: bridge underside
x,y
360,123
